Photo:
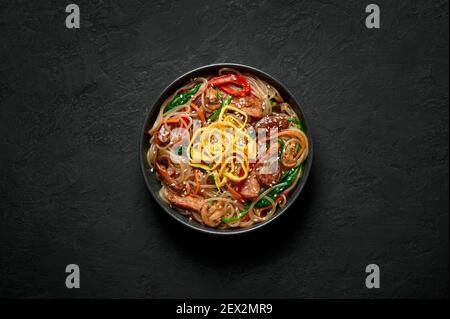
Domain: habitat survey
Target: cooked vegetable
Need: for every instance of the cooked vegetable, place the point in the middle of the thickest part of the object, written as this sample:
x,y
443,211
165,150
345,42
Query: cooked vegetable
x,y
224,83
199,111
286,181
235,194
272,102
238,217
182,98
281,142
297,123
224,102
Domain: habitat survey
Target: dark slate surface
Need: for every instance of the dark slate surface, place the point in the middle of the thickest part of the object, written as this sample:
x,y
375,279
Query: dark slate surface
x,y
72,103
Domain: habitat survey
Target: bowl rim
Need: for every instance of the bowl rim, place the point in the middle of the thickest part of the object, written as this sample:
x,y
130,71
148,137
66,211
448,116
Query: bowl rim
x,y
143,142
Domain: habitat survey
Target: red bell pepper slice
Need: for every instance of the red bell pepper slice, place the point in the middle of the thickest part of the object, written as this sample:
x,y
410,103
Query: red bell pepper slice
x,y
224,83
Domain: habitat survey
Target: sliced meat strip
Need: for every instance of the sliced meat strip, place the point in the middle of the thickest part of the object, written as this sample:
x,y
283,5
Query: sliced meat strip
x,y
168,175
251,105
268,168
190,202
269,179
275,120
251,187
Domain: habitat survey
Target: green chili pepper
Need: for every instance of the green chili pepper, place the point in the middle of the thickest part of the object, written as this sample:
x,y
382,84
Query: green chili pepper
x,y
286,181
293,120
216,113
297,123
238,217
272,194
281,142
272,102
290,176
182,98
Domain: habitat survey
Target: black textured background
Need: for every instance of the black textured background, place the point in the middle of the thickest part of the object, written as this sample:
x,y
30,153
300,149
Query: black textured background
x,y
72,103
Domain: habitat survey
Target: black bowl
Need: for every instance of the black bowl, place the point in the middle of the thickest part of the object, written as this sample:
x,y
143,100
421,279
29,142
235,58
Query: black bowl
x,y
154,184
